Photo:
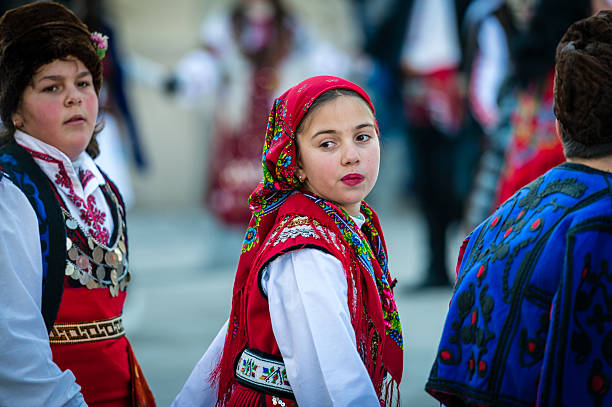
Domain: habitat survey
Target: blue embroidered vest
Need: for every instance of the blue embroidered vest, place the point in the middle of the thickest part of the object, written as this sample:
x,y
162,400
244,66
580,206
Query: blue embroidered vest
x,y
530,322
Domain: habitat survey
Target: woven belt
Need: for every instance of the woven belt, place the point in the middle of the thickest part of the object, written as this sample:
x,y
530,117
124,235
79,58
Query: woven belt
x,y
79,332
263,372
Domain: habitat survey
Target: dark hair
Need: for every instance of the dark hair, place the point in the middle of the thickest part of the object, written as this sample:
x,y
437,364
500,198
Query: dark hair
x,y
32,36
583,87
533,51
322,99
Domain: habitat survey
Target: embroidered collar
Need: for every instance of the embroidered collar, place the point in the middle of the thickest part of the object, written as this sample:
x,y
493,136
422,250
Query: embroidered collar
x,y
79,182
57,166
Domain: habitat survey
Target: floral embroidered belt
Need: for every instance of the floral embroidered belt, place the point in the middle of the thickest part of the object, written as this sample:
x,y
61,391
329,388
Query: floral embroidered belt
x,y
263,372
80,332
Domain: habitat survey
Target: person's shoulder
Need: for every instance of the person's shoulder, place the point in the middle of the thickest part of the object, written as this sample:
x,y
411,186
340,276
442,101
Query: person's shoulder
x,y
298,230
555,198
295,225
587,188
565,184
12,198
564,197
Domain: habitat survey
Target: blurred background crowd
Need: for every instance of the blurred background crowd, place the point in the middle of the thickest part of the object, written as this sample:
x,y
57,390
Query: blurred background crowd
x,y
463,93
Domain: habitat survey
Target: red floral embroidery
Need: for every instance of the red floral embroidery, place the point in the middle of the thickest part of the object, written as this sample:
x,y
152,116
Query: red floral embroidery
x,y
89,213
61,179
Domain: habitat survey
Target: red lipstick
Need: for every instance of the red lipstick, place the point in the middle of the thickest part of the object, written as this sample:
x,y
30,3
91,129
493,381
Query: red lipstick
x,y
352,179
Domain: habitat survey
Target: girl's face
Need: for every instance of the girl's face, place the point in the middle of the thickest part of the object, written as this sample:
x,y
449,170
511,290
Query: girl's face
x,y
60,106
339,152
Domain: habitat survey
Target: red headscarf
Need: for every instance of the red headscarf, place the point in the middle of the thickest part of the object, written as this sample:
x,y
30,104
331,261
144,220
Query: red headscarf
x,y
278,183
279,154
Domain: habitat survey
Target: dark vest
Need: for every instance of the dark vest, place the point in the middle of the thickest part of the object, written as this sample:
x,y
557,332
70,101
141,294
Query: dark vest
x,y
18,166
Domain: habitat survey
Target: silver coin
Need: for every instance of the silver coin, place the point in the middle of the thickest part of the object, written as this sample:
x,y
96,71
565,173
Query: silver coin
x,y
91,284
110,258
76,274
98,254
72,223
73,253
68,244
83,262
91,243
113,276
100,273
69,269
84,277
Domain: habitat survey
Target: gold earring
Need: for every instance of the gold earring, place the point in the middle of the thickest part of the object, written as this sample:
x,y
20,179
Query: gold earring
x,y
300,178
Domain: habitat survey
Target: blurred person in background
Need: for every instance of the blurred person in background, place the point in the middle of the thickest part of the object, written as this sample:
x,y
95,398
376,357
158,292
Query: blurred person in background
x,y
120,141
487,30
522,144
416,77
533,146
529,322
63,233
384,24
442,142
249,51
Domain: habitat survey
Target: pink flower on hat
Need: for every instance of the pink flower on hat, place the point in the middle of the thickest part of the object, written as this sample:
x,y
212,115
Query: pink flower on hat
x,y
100,42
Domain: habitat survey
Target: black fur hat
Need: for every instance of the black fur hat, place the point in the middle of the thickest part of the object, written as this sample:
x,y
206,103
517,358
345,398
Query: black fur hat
x,y
32,36
583,87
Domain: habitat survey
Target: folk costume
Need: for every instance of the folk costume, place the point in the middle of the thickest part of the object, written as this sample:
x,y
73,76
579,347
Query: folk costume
x,y
530,310
313,318
63,242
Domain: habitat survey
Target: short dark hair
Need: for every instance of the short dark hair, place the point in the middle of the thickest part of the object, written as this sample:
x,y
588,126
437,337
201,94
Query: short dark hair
x,y
583,87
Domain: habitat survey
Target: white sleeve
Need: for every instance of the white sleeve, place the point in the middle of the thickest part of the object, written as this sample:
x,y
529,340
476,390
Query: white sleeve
x,y
197,74
196,391
490,69
307,294
28,376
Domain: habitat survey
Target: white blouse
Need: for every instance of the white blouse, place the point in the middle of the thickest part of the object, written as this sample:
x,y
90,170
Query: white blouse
x,y
307,299
28,375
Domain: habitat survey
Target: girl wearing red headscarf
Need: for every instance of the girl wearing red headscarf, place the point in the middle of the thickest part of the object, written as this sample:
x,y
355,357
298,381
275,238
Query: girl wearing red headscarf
x,y
313,319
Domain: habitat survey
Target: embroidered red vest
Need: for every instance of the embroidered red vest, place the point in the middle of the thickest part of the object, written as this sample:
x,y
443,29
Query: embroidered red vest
x,y
101,367
302,224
